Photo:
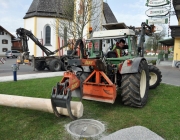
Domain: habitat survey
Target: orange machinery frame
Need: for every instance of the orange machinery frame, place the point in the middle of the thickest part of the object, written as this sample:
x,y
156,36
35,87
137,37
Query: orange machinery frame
x,y
97,85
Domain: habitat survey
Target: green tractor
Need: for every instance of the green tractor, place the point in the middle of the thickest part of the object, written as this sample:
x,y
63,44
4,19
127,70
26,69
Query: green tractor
x,y
130,72
99,74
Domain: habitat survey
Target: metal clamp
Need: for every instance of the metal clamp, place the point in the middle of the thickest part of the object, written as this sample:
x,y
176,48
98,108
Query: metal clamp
x,y
61,97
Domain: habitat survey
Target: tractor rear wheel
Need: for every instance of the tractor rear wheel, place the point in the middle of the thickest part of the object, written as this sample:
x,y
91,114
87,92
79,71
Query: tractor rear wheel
x,y
135,86
55,65
155,76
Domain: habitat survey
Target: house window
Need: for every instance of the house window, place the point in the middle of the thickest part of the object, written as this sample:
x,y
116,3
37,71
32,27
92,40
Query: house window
x,y
4,41
48,36
1,33
4,49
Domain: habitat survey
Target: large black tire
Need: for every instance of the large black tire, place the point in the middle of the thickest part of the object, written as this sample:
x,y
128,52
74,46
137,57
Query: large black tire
x,y
40,65
155,77
55,65
135,86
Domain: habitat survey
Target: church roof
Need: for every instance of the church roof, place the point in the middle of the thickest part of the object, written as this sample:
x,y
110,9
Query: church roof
x,y
44,8
47,8
108,14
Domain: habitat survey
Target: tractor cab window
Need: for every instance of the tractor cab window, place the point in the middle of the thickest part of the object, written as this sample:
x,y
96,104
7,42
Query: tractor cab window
x,y
94,48
110,47
133,46
115,46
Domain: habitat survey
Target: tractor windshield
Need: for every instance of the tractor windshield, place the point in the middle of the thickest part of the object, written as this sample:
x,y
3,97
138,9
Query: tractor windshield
x,y
96,47
133,42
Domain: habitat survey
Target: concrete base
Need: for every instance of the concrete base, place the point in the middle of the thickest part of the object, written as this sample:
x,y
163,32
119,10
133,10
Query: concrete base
x,y
133,133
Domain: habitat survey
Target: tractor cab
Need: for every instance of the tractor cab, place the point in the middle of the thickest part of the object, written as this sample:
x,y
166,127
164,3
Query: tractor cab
x,y
103,43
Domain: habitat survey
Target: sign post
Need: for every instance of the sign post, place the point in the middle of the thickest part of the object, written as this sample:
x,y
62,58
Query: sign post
x,y
157,21
158,28
159,11
156,3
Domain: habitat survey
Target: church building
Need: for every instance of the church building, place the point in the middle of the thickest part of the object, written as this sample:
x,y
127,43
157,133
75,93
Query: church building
x,y
42,14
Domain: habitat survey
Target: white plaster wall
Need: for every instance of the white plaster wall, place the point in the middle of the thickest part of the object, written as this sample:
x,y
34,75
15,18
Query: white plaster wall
x,y
42,22
29,25
8,46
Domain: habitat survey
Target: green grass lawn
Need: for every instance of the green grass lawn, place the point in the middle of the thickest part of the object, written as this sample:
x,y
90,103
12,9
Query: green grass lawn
x,y
161,114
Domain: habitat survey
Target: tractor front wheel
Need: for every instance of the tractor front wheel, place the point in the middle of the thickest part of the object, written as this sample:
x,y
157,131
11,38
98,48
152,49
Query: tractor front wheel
x,y
155,76
135,86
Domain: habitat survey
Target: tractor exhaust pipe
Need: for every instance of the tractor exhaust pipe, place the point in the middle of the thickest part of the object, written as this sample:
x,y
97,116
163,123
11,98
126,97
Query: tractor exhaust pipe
x,y
39,104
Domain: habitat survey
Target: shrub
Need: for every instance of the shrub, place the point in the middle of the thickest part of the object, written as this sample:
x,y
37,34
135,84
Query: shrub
x,y
153,62
161,52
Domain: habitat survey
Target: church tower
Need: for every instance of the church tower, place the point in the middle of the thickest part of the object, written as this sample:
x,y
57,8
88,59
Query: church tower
x,y
39,19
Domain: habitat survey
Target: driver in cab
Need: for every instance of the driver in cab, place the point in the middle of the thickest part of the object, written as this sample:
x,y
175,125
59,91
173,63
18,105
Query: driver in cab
x,y
118,48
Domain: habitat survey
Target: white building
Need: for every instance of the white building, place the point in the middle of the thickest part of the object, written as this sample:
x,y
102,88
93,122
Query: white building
x,y
5,40
41,15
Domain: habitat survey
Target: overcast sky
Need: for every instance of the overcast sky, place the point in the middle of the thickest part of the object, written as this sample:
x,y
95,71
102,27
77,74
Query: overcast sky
x,y
131,12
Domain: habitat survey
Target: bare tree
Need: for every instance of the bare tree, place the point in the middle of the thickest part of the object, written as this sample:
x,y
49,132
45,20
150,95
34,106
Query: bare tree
x,y
75,17
153,41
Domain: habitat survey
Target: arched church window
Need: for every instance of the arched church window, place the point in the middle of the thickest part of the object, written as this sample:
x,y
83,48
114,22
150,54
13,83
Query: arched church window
x,y
48,36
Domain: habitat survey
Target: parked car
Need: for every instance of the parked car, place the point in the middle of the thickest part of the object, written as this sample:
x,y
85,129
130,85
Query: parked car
x,y
150,53
12,54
